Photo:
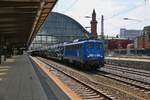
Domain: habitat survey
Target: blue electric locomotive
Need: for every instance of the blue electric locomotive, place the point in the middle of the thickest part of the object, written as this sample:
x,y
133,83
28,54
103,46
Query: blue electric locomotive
x,y
88,53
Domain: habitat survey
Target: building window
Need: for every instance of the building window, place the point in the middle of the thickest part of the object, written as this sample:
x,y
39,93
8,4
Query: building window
x,y
148,33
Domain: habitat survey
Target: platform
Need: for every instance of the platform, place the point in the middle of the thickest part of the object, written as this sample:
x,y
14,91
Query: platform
x,y
146,59
18,80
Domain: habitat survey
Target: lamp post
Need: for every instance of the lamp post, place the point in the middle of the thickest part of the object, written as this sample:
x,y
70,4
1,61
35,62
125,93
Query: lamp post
x,y
87,27
137,20
131,19
87,17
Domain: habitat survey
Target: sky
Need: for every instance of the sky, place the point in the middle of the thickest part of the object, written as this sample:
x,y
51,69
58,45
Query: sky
x,y
113,10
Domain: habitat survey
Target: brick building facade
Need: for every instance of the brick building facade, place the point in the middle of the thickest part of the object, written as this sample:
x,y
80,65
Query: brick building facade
x,y
143,41
115,44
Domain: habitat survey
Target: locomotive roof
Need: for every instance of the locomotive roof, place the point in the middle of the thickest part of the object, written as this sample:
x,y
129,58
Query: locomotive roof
x,y
72,43
78,42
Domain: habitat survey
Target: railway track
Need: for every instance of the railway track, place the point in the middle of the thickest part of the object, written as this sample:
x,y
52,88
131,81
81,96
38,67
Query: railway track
x,y
132,82
129,70
138,76
84,90
109,87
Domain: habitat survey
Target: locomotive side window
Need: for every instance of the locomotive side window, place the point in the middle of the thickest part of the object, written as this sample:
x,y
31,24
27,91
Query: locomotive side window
x,y
80,46
74,47
90,45
99,45
68,47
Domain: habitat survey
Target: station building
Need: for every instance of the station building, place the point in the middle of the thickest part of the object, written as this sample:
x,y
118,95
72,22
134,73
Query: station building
x,y
143,41
140,45
130,34
58,28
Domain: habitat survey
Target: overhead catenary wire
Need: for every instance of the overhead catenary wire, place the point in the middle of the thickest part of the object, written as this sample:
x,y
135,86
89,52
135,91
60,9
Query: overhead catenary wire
x,y
125,11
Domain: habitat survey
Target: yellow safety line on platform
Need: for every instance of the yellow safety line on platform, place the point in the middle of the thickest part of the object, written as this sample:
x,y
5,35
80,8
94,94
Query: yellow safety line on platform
x,y
58,82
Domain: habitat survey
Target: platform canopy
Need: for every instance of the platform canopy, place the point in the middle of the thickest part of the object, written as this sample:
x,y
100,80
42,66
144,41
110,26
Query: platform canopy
x,y
21,19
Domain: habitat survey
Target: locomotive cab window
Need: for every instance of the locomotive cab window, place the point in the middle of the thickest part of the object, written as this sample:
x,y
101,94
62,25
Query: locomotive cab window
x,y
80,46
90,45
99,45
